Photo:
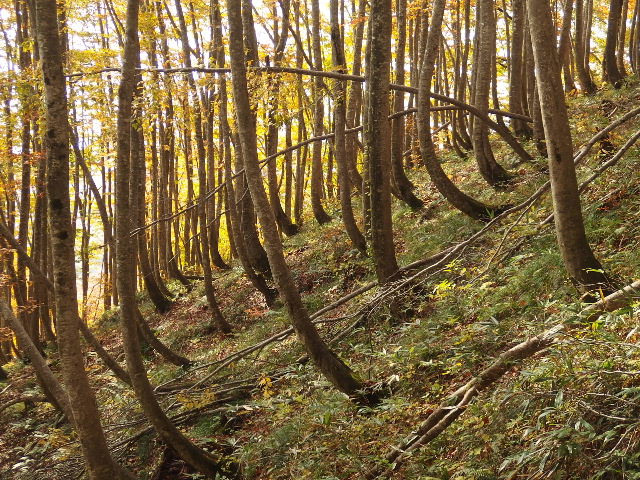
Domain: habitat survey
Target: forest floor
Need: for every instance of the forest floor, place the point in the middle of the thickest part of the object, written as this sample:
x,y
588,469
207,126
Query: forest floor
x,y
571,412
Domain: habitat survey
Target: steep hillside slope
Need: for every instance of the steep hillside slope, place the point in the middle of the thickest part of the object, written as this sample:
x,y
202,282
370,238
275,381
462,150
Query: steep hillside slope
x,y
569,412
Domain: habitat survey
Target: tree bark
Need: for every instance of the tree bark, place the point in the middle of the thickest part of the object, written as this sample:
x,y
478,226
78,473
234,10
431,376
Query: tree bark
x,y
578,258
85,412
378,141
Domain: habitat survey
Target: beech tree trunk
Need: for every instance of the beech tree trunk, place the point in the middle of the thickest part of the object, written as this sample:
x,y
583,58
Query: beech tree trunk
x,y
403,185
445,186
86,416
578,258
582,50
326,361
517,68
339,142
378,140
489,168
192,454
318,122
610,70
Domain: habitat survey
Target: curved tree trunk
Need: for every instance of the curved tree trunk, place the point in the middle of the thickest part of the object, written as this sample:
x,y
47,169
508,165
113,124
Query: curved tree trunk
x,y
490,170
233,197
445,186
327,362
192,454
403,185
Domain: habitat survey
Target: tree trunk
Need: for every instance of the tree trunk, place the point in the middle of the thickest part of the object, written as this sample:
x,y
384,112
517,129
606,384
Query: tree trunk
x,y
445,186
378,140
327,362
283,220
564,46
578,258
490,170
403,185
86,416
318,122
192,454
610,70
339,142
580,47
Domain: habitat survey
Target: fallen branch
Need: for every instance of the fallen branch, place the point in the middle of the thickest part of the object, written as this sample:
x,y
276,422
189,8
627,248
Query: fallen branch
x,y
616,300
25,399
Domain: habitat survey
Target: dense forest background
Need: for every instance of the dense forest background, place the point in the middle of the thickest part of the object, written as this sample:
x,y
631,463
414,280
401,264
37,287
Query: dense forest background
x,y
319,239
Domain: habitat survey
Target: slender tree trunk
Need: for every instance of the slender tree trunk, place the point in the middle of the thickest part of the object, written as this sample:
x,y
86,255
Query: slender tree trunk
x,y
516,68
85,412
403,185
491,171
622,35
318,122
327,362
445,186
283,220
610,70
344,182
378,141
564,47
354,99
578,258
192,454
580,47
